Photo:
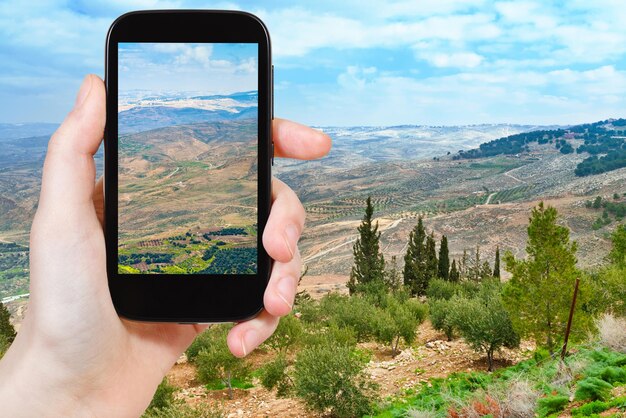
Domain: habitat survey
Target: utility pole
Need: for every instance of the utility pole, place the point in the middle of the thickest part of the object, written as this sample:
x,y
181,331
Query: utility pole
x,y
569,321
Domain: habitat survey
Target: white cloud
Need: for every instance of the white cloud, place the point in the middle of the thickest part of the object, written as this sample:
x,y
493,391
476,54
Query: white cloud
x,y
502,96
456,59
296,32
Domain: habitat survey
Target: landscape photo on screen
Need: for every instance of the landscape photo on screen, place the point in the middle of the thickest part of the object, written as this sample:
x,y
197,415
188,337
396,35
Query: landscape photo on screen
x,y
187,163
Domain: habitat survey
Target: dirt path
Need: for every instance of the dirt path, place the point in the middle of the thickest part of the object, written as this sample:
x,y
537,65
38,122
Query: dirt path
x,y
489,197
508,174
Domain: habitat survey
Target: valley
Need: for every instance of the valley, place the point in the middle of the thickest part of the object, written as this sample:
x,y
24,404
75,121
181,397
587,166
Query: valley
x,y
482,201
180,189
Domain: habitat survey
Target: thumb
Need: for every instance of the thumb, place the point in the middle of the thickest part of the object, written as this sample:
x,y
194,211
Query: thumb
x,y
69,170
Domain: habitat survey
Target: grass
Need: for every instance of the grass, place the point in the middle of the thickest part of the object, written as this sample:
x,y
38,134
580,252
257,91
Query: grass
x,y
591,373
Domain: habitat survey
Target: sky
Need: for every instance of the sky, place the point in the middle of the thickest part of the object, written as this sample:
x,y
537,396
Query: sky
x,y
360,62
187,67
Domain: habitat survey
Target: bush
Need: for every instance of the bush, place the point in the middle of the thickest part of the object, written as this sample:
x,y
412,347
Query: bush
x,y
164,395
440,316
354,312
6,328
332,334
483,321
203,340
215,362
330,378
203,410
4,345
596,407
519,400
552,404
442,289
593,388
399,319
612,332
274,375
288,333
612,375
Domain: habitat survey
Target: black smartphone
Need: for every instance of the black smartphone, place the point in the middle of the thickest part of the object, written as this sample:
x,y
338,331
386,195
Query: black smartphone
x,y
188,155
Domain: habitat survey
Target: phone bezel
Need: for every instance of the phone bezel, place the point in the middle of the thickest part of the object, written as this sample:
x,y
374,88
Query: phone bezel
x,y
188,298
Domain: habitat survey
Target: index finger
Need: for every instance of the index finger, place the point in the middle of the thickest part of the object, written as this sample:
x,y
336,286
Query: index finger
x,y
292,140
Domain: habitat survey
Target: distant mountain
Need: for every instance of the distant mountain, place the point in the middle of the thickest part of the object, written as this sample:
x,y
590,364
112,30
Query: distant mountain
x,y
604,141
143,113
358,145
26,130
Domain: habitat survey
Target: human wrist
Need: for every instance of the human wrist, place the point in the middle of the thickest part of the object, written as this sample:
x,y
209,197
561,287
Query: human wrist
x,y
30,386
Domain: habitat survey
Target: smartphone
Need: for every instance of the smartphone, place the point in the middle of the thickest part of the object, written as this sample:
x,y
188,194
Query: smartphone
x,y
187,173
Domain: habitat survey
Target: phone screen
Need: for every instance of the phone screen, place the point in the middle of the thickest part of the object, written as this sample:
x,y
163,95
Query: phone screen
x,y
187,158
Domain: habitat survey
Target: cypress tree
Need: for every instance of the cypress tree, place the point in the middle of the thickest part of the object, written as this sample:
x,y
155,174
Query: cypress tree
x,y
414,260
444,260
496,264
369,264
431,261
6,329
455,276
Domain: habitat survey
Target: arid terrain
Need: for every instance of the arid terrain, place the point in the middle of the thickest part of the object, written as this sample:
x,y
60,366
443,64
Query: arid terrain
x,y
484,202
187,198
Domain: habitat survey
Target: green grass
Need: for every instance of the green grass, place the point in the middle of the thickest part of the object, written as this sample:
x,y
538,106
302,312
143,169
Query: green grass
x,y
235,383
438,395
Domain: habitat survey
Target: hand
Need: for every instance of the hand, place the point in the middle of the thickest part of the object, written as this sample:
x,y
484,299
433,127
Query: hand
x,y
73,355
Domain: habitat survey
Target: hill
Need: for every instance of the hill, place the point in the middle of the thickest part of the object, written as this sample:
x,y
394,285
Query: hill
x,y
484,200
605,141
187,198
138,112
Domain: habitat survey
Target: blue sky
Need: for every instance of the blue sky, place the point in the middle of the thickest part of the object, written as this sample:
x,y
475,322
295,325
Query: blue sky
x,y
361,62
187,67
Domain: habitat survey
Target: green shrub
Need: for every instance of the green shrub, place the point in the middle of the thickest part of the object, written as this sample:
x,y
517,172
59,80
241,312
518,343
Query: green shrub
x,y
4,345
330,378
215,362
310,311
440,316
203,340
552,404
274,375
332,334
612,375
594,407
203,410
540,355
288,333
442,289
354,312
164,395
594,389
483,321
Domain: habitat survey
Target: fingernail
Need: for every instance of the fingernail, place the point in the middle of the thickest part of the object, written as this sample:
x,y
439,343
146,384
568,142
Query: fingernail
x,y
285,290
291,238
85,88
249,341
